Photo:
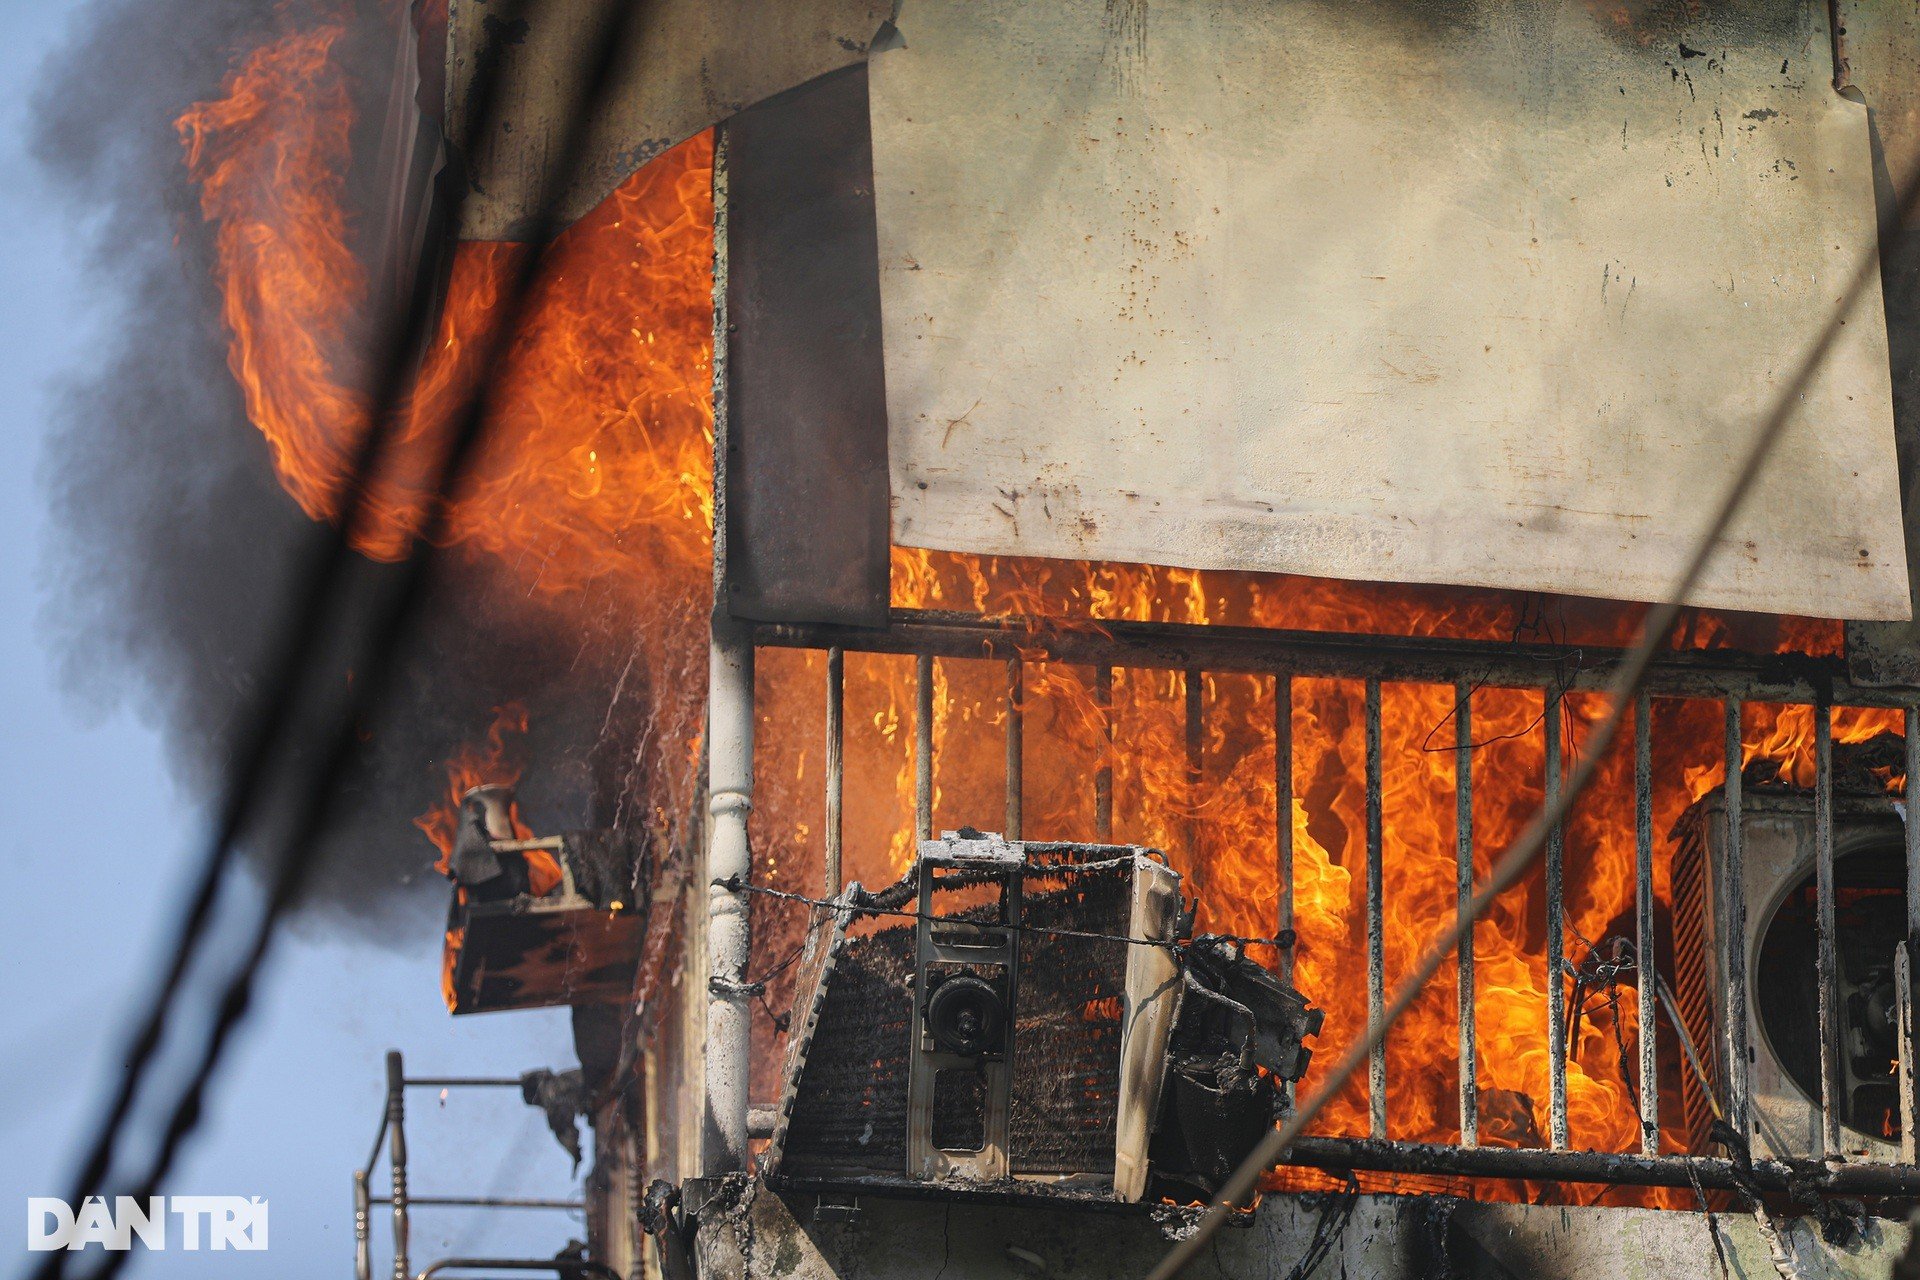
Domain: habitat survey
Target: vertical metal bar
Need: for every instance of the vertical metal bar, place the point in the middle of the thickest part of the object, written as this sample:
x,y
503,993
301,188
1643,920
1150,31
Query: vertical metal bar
x,y
1910,1074
923,747
1015,746
1463,884
397,1150
1643,924
1376,942
1826,961
1283,816
1731,929
1195,682
1903,1047
362,1227
1103,776
836,764
1556,936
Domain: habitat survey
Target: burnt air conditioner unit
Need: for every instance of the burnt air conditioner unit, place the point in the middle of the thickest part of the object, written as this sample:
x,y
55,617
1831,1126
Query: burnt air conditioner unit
x,y
1780,943
988,1024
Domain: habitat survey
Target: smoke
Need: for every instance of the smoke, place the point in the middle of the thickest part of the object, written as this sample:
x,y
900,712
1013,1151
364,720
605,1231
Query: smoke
x,y
175,541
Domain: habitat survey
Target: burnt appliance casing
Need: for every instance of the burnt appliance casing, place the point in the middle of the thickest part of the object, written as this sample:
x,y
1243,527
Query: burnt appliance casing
x,y
1020,1016
1009,1033
509,948
1778,941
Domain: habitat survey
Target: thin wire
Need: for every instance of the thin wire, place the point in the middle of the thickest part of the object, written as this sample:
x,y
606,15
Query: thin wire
x,y
381,636
1620,692
733,884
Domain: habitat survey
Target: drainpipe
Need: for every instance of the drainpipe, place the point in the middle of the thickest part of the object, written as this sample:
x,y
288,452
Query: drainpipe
x,y
730,799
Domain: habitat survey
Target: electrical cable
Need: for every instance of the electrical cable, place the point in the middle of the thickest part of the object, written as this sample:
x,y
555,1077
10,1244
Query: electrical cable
x,y
261,748
1621,691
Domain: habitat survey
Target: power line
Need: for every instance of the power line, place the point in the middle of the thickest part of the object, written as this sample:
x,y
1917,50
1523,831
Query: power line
x,y
1620,691
320,605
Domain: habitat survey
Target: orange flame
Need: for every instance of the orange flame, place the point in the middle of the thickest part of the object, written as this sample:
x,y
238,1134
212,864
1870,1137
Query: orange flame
x,y
597,479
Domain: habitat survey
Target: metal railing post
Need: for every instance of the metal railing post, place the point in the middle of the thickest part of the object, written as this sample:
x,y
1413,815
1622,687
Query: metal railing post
x,y
1557,1136
1826,962
1463,899
1644,905
362,1228
397,1151
836,766
923,747
1376,922
1016,747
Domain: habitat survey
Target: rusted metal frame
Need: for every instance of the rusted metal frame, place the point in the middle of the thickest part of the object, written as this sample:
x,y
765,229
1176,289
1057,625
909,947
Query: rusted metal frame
x,y
1537,1164
1730,926
396,1128
495,1202
1826,963
1463,884
1376,924
1193,683
1556,958
1644,971
1283,819
462,1082
1103,775
1909,1075
1015,747
1176,646
836,767
923,747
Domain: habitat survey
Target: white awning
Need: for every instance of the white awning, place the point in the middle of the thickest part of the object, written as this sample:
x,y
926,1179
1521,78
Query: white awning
x,y
1485,294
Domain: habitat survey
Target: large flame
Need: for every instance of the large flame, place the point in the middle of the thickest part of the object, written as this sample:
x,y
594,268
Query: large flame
x,y
597,478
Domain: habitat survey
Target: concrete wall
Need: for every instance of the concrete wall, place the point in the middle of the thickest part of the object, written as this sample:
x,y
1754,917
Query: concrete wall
x,y
762,1235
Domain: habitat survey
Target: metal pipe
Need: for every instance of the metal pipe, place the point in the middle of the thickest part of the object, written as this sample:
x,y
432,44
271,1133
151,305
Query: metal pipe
x,y
397,1153
1903,1048
729,860
1015,746
1537,1164
1643,924
495,1202
1283,817
836,765
1463,889
362,1227
923,747
462,1082
1376,942
1826,962
1731,926
1194,682
1103,776
1556,935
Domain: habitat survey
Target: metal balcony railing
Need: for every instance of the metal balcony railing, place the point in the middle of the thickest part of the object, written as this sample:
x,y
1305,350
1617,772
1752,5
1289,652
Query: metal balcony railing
x,y
1729,677
392,1138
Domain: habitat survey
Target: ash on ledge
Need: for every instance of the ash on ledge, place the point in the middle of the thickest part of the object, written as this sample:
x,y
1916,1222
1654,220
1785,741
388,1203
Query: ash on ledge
x,y
1033,1018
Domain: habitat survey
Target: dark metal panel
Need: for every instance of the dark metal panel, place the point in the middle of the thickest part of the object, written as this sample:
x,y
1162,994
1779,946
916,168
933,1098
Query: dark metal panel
x,y
806,459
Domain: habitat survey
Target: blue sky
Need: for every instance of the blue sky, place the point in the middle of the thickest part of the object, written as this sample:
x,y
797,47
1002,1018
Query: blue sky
x,y
104,841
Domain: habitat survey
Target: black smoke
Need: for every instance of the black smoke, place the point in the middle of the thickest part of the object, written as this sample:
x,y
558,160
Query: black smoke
x,y
176,543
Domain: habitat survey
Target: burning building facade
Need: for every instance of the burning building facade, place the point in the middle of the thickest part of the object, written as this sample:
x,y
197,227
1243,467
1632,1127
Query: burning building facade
x,y
1001,425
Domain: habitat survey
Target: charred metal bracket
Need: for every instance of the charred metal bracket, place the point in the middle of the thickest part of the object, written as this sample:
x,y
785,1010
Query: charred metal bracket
x,y
966,984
